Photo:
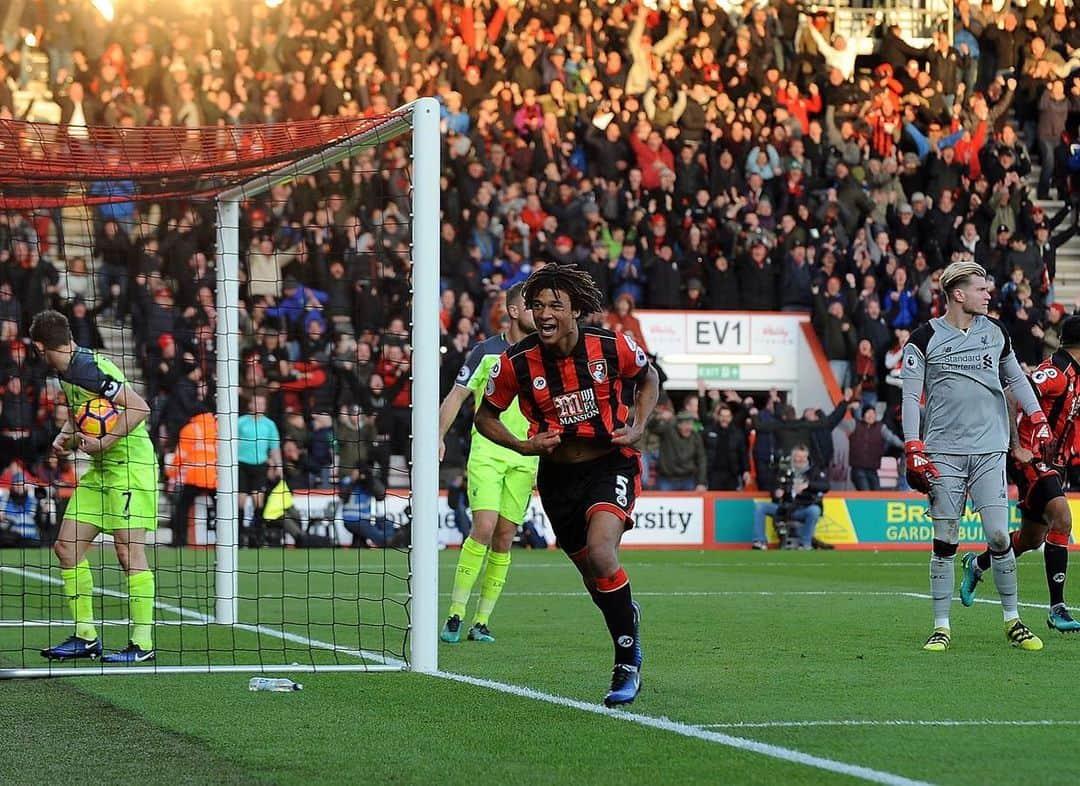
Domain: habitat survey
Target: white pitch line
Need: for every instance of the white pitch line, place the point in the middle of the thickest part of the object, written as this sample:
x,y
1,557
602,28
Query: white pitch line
x,y
710,594
694,732
663,724
887,723
628,559
200,618
67,624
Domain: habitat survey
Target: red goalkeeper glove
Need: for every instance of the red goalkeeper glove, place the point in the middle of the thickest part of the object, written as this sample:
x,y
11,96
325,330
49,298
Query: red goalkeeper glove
x,y
1042,438
919,466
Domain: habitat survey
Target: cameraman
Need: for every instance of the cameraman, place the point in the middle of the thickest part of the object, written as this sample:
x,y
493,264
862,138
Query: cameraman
x,y
797,498
363,511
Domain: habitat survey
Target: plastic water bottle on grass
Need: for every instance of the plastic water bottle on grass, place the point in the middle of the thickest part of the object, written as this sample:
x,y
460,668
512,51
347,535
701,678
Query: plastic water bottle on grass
x,y
280,685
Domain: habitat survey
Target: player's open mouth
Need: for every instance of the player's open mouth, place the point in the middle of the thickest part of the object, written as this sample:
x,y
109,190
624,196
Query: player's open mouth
x,y
547,329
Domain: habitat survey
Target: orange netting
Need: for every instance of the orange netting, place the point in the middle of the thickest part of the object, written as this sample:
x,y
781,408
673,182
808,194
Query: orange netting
x,y
44,165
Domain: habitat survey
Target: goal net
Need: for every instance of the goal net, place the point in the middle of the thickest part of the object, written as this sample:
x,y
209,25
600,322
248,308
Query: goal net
x,y
272,293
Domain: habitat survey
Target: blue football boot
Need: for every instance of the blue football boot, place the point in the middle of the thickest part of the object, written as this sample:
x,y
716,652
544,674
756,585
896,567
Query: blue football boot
x,y
480,632
451,631
132,653
625,684
1061,620
74,648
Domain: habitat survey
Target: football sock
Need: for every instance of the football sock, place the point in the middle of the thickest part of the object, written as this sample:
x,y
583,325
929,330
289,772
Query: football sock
x,y
1003,565
1056,560
498,565
982,562
468,568
614,599
141,608
942,579
79,590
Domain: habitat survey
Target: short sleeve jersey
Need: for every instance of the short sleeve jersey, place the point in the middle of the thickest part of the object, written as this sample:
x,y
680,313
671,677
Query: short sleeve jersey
x,y
965,410
1057,384
256,437
580,395
91,375
474,375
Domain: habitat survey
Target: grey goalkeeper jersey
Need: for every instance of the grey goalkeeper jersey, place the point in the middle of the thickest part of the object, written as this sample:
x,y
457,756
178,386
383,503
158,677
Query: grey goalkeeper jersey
x,y
962,374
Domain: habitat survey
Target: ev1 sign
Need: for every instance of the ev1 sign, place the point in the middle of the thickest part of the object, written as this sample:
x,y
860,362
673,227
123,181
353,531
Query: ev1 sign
x,y
730,334
763,349
681,332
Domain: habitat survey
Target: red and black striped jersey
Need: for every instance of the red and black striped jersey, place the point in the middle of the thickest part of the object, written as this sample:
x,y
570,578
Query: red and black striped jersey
x,y
580,395
1057,384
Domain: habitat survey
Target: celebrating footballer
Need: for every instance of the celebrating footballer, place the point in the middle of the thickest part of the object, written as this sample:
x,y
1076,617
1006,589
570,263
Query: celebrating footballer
x,y
573,383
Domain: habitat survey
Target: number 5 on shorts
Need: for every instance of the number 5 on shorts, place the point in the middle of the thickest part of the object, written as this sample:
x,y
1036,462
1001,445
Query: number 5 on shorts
x,y
621,483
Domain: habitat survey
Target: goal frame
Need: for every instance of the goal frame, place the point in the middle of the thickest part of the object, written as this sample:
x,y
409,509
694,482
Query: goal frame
x,y
421,118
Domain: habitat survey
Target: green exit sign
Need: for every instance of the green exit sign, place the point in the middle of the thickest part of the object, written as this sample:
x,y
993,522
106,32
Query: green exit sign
x,y
722,371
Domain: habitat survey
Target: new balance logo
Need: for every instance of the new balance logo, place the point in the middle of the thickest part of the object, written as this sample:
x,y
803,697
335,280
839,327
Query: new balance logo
x,y
626,641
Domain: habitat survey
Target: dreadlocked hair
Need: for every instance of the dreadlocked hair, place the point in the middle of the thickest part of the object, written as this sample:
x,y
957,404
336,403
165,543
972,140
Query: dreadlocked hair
x,y
585,296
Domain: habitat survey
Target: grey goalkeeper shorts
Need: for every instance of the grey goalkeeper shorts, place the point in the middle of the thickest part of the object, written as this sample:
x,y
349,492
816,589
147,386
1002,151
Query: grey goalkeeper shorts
x,y
980,477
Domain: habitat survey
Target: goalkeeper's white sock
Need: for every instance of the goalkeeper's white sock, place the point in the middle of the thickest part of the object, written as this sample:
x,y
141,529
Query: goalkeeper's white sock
x,y
942,580
1003,566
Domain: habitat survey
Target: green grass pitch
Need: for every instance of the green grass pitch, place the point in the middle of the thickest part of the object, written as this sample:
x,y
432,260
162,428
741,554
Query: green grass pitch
x,y
760,668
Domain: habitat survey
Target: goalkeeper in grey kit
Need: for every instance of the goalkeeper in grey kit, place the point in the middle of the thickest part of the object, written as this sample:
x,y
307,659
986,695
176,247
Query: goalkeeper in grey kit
x,y
956,448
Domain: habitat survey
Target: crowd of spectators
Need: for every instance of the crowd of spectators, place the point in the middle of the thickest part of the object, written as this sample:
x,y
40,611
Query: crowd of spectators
x,y
696,155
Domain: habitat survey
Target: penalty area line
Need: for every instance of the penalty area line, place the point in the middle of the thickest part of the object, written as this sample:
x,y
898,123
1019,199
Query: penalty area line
x,y
691,731
882,723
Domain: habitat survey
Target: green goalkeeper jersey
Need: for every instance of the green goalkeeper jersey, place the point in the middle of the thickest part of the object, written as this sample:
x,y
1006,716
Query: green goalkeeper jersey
x,y
474,375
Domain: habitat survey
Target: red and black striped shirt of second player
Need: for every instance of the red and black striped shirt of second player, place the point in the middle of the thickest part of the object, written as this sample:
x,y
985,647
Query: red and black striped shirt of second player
x,y
580,395
1057,384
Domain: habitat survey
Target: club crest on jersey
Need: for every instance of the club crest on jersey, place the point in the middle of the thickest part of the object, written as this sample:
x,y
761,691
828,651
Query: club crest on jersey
x,y
598,370
539,383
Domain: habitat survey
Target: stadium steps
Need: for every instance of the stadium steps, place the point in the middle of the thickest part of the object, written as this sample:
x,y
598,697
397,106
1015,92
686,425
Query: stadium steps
x,y
916,19
1067,280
